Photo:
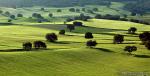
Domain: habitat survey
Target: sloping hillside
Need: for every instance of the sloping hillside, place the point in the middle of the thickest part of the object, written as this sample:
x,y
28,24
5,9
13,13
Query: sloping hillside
x,y
70,56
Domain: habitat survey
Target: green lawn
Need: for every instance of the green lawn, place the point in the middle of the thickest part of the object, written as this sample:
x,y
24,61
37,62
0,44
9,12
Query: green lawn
x,y
70,56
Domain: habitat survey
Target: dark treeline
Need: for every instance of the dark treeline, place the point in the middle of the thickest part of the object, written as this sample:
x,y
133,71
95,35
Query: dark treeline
x,y
56,3
139,7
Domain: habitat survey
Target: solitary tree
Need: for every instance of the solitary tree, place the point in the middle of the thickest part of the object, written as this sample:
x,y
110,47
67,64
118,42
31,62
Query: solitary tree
x,y
90,11
1,11
39,45
69,19
72,9
19,15
59,10
88,35
27,46
83,9
118,39
39,16
9,20
132,30
70,27
34,15
133,14
144,37
98,16
51,37
91,43
42,9
62,32
95,9
130,49
7,13
147,45
12,16
77,10
50,15
78,23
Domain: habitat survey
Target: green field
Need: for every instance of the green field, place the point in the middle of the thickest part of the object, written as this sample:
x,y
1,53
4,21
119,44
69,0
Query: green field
x,y
70,56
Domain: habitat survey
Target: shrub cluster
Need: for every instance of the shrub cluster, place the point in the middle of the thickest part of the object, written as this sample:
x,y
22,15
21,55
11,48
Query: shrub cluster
x,y
51,37
132,30
118,39
145,38
37,45
91,43
62,32
88,35
117,17
130,48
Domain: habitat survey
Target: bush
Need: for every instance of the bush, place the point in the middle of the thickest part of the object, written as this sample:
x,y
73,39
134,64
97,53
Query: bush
x,y
7,13
95,9
90,11
27,46
134,20
132,30
1,11
118,39
72,10
98,16
19,15
62,32
83,9
130,48
77,10
123,19
133,14
59,10
70,27
147,45
69,19
34,15
42,9
9,20
39,45
144,37
88,35
12,16
78,23
111,17
51,37
82,17
91,43
50,15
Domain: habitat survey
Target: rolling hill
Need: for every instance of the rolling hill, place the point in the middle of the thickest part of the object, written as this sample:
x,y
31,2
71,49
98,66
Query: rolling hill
x,y
70,56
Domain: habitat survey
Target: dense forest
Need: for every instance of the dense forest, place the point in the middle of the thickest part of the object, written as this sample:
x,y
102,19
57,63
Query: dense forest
x,y
58,3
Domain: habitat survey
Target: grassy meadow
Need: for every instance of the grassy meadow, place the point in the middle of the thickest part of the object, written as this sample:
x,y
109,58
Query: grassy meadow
x,y
70,56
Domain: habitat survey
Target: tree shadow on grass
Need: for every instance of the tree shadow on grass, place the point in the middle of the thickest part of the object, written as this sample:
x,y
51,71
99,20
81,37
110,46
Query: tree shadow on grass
x,y
142,56
21,50
104,50
62,42
6,24
105,28
65,42
130,43
95,30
